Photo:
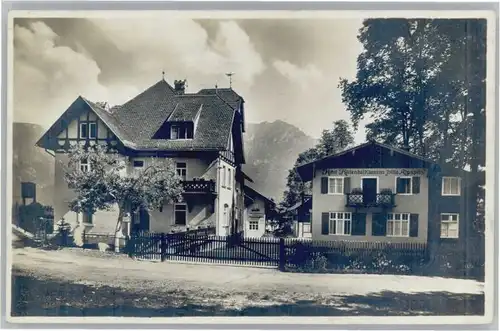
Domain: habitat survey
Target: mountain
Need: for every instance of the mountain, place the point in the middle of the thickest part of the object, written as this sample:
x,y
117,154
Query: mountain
x,y
31,163
271,150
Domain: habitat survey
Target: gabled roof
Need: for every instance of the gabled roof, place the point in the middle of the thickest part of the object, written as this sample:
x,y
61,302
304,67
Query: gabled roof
x,y
252,193
136,121
306,202
305,170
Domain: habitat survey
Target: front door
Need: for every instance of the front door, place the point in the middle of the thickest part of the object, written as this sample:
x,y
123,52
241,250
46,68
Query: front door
x,y
370,190
140,221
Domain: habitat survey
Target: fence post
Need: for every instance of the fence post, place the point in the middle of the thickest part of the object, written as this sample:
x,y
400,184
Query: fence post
x,y
131,246
282,255
163,247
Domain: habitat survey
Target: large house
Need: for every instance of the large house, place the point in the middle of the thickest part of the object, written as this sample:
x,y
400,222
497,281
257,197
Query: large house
x,y
201,132
375,192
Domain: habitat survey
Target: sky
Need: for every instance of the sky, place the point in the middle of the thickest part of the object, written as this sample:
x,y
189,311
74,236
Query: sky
x,y
285,69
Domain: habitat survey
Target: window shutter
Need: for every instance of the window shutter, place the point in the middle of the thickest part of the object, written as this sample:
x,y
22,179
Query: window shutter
x,y
415,185
379,224
413,225
399,187
324,185
347,184
359,224
325,219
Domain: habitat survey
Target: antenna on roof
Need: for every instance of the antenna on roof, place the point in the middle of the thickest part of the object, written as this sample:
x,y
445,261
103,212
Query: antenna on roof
x,y
230,75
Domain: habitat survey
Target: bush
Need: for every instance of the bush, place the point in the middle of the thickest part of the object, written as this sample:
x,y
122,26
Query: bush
x,y
309,259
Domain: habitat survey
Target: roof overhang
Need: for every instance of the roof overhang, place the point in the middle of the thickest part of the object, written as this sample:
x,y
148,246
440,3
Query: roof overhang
x,y
306,171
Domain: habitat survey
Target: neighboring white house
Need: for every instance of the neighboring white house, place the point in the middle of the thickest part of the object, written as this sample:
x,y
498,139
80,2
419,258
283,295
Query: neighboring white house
x,y
201,132
257,210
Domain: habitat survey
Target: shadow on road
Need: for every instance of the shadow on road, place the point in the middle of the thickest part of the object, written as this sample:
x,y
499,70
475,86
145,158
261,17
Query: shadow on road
x,y
34,297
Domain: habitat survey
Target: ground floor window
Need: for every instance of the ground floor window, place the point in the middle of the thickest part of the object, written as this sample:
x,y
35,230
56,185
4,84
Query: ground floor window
x,y
84,165
398,224
253,225
306,227
87,218
449,225
180,214
340,223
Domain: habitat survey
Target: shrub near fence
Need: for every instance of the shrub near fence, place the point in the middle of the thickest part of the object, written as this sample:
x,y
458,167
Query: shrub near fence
x,y
358,257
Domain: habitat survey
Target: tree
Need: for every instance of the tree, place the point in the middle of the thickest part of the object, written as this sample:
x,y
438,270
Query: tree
x,y
105,183
422,82
339,138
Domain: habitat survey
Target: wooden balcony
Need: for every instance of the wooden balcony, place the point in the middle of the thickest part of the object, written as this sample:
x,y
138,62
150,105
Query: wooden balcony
x,y
360,200
199,186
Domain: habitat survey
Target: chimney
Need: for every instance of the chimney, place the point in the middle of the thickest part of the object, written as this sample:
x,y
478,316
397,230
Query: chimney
x,y
180,86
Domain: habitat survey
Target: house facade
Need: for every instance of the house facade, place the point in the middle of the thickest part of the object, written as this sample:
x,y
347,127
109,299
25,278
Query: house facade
x,y
375,192
258,209
201,133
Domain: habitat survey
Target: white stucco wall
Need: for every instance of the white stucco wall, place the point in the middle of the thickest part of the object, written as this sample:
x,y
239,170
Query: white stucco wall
x,y
255,212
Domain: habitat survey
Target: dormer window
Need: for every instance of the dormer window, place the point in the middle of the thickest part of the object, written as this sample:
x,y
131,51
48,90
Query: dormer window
x,y
88,130
180,131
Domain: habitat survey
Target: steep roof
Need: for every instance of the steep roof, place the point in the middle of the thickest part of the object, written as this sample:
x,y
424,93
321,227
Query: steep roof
x,y
252,193
227,94
136,121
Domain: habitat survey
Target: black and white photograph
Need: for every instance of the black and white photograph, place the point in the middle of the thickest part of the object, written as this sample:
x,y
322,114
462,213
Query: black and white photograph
x,y
176,165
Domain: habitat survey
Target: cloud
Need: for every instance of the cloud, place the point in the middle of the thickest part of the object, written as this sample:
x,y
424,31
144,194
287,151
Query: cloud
x,y
306,77
183,49
48,78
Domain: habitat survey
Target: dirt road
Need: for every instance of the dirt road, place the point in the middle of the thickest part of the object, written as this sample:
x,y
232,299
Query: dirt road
x,y
238,288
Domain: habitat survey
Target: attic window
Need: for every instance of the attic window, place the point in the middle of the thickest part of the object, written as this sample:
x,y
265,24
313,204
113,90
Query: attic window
x,y
88,130
181,131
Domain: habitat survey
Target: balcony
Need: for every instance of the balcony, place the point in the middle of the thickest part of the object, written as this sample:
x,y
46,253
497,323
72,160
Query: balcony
x,y
361,200
199,186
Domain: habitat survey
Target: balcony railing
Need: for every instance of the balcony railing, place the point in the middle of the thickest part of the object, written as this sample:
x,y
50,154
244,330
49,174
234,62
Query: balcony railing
x,y
199,186
357,200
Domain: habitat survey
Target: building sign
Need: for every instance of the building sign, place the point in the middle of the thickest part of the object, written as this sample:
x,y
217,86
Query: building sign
x,y
373,172
255,211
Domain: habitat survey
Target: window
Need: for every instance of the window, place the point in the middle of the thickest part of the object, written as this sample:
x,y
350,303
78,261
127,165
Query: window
x,y
181,168
84,165
307,227
179,131
404,185
253,225
451,186
88,130
87,218
229,178
180,214
223,180
335,185
340,223
138,164
398,225
449,225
